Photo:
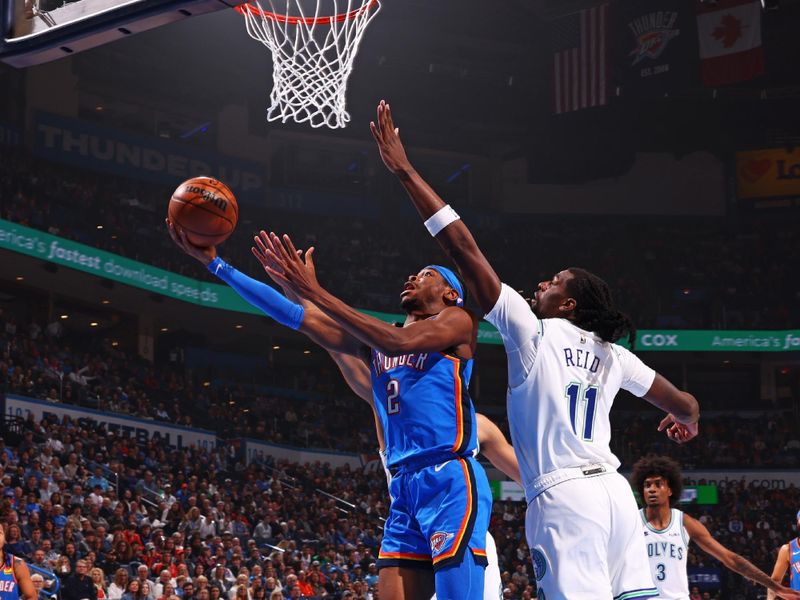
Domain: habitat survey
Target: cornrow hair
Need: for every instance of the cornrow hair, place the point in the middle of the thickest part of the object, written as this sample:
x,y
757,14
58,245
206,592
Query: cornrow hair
x,y
658,466
595,310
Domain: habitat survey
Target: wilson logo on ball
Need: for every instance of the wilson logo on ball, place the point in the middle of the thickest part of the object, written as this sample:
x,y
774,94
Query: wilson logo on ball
x,y
220,203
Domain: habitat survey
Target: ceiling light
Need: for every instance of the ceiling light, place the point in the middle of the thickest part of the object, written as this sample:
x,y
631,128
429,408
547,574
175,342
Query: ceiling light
x,y
276,347
20,278
65,316
93,324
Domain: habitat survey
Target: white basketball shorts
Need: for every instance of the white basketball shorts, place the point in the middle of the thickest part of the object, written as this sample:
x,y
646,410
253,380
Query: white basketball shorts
x,y
586,541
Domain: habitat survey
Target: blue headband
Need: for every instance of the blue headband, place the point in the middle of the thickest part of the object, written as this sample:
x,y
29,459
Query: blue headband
x,y
798,515
451,280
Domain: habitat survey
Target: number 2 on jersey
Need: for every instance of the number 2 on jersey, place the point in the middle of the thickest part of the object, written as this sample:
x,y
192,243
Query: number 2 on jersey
x,y
393,397
589,402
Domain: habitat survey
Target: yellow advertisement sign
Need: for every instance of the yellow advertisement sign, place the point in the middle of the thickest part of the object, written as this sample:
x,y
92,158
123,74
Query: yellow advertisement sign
x,y
768,173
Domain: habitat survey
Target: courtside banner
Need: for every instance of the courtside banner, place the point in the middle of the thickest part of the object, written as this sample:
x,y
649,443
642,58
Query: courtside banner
x,y
142,430
768,173
60,251
85,145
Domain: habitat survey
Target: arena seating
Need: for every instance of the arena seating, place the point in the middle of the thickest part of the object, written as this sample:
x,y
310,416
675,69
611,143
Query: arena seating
x,y
664,271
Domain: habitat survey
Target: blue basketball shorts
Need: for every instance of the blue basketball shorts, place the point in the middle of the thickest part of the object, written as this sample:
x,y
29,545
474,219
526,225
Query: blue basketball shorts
x,y
438,512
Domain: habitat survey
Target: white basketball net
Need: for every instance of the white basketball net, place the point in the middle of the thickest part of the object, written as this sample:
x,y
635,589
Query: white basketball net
x,y
312,56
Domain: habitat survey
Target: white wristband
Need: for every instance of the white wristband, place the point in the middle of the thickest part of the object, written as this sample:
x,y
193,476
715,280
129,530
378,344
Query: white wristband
x,y
441,219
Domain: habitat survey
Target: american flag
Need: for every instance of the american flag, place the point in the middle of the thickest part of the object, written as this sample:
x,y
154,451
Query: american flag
x,y
580,68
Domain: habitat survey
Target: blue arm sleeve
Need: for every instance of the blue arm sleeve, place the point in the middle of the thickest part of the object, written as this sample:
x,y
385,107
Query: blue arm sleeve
x,y
260,295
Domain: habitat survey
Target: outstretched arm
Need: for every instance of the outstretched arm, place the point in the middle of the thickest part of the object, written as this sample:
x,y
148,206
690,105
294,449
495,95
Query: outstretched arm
x,y
321,329
455,239
681,422
495,447
735,562
452,327
779,570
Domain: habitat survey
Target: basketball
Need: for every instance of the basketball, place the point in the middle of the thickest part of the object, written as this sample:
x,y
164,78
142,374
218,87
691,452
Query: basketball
x,y
206,209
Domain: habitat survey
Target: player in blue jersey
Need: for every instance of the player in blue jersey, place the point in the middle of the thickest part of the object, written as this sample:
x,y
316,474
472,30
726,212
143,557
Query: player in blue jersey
x,y
420,374
668,532
788,558
15,579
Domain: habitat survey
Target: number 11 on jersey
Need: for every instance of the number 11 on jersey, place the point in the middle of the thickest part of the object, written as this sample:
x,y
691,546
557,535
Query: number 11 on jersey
x,y
589,403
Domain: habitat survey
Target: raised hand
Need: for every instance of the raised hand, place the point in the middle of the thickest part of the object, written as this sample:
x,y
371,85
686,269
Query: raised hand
x,y
678,432
387,137
285,264
204,254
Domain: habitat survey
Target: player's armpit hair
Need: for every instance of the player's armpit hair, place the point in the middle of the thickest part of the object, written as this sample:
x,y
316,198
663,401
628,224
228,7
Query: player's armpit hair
x,y
658,466
595,310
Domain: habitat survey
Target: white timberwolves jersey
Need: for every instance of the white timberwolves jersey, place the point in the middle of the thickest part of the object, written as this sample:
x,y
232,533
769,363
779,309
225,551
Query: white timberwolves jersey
x,y
562,381
667,551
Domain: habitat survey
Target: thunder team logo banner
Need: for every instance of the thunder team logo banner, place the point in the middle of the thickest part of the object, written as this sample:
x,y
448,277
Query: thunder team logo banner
x,y
654,47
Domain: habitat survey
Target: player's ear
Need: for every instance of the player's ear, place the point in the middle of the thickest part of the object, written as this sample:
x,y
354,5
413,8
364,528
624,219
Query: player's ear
x,y
450,295
568,305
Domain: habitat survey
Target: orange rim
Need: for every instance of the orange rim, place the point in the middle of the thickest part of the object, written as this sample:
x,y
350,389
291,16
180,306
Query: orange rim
x,y
253,9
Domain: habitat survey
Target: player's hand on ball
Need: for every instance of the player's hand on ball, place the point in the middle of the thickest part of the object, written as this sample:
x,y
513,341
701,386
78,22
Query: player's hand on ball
x,y
388,138
287,267
678,432
204,255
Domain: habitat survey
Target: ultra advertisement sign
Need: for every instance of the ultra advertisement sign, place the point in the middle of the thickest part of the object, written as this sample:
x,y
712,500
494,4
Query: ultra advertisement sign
x,y
60,251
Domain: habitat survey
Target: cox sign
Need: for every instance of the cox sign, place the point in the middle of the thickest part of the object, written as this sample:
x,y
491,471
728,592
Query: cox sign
x,y
659,340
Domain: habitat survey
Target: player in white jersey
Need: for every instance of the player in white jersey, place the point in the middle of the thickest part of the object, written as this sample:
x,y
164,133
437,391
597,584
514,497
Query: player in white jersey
x,y
582,522
667,532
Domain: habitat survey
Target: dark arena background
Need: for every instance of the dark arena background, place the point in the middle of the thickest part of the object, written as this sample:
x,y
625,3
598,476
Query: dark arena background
x,y
227,449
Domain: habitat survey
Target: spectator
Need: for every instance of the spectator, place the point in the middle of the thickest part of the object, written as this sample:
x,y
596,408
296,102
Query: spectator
x,y
167,590
119,585
99,580
146,590
63,568
79,586
132,591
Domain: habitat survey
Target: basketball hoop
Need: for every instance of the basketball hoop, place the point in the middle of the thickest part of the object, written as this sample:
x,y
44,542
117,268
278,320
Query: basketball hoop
x,y
312,56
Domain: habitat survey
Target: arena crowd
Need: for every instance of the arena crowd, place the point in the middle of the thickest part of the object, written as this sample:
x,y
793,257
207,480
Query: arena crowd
x,y
732,272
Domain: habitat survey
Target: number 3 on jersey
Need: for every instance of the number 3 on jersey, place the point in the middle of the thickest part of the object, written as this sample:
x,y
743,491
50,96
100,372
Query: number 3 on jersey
x,y
589,402
393,397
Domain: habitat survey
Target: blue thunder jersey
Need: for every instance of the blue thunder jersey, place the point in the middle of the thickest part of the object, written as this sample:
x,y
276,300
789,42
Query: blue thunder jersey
x,y
794,564
9,590
424,406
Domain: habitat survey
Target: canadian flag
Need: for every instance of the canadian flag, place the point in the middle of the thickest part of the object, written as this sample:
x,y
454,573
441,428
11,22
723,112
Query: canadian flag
x,y
729,32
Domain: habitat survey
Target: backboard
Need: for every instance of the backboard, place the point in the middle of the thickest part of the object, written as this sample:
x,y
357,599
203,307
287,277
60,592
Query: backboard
x,y
38,31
